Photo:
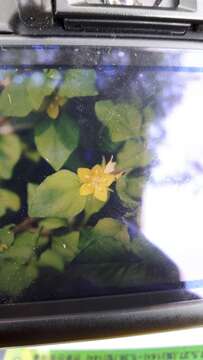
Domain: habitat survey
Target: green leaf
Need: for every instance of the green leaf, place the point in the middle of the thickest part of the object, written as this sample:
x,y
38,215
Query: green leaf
x,y
31,190
58,196
66,245
10,151
107,261
92,206
130,190
56,140
7,235
125,271
8,201
107,257
112,228
19,254
134,154
51,259
27,239
24,247
156,267
41,84
79,82
107,228
122,120
14,101
32,240
14,277
108,241
53,223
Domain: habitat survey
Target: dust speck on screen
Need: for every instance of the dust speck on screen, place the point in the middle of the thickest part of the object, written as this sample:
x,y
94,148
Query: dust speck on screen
x,y
101,172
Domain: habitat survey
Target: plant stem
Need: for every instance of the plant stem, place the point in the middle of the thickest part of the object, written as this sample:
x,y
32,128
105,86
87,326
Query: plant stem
x,y
24,225
84,220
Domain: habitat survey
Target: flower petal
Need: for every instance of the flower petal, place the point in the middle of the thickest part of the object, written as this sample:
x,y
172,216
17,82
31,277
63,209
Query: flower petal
x,y
103,164
110,166
107,179
97,170
101,193
84,174
86,189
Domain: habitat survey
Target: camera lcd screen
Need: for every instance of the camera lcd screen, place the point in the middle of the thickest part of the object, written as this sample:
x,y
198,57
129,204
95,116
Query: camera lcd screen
x,y
101,172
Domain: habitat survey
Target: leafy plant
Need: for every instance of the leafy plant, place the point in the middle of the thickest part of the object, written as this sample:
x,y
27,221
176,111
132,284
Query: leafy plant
x,y
60,196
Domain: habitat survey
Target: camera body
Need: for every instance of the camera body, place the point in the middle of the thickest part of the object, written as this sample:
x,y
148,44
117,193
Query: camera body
x,y
177,19
177,25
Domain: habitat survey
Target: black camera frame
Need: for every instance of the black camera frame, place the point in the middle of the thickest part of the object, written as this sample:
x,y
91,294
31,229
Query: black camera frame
x,y
95,318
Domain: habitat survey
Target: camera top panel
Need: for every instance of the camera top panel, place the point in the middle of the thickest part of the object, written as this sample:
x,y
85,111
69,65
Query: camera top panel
x,y
168,4
34,18
180,10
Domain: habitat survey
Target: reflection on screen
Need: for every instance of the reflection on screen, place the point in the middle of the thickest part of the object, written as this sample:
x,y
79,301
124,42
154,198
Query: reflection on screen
x,y
172,200
101,172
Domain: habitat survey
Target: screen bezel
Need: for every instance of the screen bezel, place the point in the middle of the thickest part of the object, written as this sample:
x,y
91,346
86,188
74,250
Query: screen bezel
x,y
107,316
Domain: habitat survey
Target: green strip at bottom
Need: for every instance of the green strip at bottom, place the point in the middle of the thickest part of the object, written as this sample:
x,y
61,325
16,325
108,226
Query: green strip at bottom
x,y
174,353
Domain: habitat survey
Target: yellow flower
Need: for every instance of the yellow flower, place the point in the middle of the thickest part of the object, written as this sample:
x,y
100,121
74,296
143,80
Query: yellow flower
x,y
54,108
96,181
